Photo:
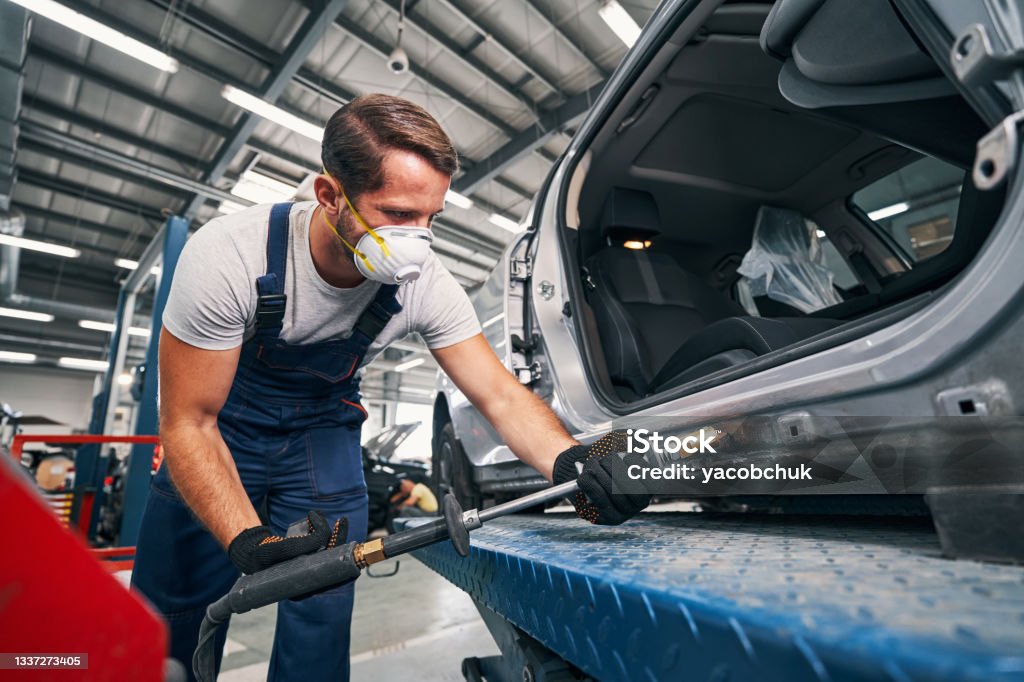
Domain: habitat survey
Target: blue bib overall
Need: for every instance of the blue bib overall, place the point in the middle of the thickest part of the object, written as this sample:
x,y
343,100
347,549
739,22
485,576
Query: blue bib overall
x,y
292,422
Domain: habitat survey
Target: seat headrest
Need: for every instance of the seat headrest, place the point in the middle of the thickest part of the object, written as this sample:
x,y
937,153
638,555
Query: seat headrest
x,y
628,210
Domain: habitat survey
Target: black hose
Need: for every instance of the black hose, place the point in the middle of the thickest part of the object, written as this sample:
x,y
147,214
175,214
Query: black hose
x,y
304,575
204,660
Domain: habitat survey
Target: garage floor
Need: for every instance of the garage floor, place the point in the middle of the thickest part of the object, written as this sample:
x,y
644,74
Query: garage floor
x,y
415,625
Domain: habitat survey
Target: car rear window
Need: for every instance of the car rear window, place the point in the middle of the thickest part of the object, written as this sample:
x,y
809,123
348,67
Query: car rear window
x,y
916,206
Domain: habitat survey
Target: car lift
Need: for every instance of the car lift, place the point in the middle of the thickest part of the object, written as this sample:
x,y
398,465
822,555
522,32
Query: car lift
x,y
730,597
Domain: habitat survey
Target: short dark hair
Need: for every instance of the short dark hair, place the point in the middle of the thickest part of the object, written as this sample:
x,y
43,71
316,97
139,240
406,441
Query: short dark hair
x,y
360,134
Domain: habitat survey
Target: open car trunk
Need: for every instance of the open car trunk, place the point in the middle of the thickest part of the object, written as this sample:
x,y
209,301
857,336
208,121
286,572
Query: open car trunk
x,y
771,193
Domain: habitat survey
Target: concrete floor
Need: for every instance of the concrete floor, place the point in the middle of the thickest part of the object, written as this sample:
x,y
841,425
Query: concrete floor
x,y
413,626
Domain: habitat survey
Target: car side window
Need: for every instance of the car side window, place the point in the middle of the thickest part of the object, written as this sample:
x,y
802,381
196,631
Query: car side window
x,y
916,206
843,275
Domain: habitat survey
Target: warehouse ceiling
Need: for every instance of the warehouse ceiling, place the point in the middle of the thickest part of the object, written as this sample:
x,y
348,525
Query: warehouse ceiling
x,y
110,146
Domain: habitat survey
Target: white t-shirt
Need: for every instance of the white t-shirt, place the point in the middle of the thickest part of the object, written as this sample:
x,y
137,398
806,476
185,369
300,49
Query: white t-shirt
x,y
212,304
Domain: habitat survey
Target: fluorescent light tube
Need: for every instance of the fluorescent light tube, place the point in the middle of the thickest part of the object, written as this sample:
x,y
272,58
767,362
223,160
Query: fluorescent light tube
x,y
229,207
83,363
35,245
134,265
503,222
109,327
271,113
262,189
91,28
494,320
889,211
409,364
456,199
26,315
619,21
13,356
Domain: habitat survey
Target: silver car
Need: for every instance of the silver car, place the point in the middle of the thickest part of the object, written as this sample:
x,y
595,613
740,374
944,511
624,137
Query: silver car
x,y
809,210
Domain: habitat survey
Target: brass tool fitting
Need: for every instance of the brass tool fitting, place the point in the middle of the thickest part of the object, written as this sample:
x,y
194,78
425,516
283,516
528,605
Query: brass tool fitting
x,y
367,553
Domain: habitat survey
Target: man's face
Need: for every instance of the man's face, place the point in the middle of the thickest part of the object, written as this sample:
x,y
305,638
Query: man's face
x,y
412,195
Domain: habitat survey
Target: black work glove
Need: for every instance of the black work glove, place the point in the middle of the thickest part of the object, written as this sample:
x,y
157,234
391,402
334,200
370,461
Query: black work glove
x,y
258,548
596,502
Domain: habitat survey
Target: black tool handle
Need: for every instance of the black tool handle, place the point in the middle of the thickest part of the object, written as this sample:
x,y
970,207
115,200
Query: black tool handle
x,y
294,578
416,537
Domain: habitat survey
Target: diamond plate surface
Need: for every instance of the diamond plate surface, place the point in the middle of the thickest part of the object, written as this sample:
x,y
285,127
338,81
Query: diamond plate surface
x,y
724,598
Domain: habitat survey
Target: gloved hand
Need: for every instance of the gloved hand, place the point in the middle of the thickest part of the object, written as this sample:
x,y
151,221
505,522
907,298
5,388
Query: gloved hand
x,y
596,502
255,549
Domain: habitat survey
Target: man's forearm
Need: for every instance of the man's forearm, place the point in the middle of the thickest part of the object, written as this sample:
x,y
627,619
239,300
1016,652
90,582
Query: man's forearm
x,y
529,427
204,473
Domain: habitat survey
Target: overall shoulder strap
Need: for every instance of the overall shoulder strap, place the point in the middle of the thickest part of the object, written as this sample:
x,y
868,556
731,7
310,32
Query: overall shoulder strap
x,y
270,305
376,316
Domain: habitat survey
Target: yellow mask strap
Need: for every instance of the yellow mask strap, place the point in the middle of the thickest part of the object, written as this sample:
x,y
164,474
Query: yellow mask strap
x,y
376,237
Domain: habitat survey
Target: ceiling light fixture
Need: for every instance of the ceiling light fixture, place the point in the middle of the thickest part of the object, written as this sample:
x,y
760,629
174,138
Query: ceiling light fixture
x,y
26,315
65,16
124,379
109,327
262,189
134,265
229,207
42,247
503,222
619,21
889,211
456,199
83,363
14,356
409,364
271,113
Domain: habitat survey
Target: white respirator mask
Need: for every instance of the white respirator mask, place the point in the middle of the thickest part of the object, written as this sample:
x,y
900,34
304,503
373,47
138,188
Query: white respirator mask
x,y
390,254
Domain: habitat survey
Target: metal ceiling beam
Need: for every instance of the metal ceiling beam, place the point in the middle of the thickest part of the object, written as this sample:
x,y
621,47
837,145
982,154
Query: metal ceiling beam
x,y
383,49
488,37
509,185
228,36
528,141
85,163
301,45
106,130
565,37
473,62
126,137
99,228
221,31
143,173
77,68
85,193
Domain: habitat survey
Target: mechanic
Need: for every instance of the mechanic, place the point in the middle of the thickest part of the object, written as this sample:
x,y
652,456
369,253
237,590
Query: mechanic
x,y
414,499
272,312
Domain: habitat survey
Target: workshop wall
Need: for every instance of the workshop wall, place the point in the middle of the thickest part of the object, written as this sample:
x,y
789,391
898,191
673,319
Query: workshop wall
x,y
55,394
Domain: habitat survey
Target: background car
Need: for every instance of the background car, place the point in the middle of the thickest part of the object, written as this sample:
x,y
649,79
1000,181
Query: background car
x,y
382,473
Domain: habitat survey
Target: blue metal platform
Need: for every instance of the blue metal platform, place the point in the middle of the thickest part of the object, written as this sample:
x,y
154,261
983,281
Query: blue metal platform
x,y
688,596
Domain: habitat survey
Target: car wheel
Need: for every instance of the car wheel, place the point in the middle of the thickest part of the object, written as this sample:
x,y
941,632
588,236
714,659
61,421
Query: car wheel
x,y
452,472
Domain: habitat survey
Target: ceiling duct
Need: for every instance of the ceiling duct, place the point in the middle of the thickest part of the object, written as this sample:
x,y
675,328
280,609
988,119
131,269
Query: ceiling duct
x,y
13,43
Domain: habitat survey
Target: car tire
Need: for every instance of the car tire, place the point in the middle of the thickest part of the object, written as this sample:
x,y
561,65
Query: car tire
x,y
451,471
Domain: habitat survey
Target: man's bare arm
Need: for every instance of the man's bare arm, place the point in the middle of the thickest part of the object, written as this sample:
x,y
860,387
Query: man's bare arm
x,y
524,421
194,384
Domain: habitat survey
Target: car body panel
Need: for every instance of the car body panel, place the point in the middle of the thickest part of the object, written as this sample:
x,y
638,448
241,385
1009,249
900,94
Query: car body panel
x,y
964,342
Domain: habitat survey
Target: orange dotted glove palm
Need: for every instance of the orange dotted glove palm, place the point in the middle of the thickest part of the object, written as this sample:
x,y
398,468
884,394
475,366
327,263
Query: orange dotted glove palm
x,y
602,462
258,548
